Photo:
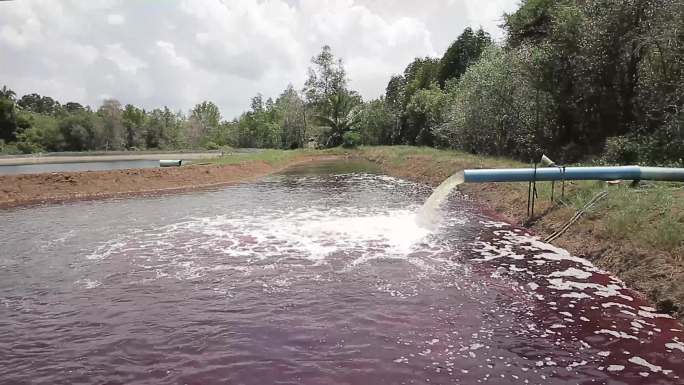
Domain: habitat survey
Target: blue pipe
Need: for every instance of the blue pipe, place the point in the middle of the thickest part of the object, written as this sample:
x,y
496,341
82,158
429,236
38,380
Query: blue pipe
x,y
574,173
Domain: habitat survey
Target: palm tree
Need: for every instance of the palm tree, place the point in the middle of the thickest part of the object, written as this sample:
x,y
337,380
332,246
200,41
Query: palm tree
x,y
7,93
342,117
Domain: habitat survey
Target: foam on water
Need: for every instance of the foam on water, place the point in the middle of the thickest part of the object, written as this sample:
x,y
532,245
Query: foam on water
x,y
310,236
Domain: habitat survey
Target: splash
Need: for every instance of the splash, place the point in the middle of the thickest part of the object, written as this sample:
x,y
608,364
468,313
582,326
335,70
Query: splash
x,y
429,214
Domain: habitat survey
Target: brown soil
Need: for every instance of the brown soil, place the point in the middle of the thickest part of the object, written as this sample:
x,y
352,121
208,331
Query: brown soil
x,y
28,189
658,274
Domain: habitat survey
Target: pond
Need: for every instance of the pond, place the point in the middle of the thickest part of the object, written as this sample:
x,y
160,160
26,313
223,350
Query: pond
x,y
76,166
319,275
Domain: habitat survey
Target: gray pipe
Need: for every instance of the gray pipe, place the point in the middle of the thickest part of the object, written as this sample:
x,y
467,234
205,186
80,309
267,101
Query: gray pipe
x,y
170,163
574,173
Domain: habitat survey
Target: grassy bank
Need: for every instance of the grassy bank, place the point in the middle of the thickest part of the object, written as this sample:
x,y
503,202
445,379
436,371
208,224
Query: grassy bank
x,y
635,232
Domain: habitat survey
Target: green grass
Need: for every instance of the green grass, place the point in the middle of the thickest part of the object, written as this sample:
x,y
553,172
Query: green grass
x,y
400,155
653,215
273,157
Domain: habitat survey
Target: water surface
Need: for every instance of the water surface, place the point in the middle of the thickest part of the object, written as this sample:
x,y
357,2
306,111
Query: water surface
x,y
76,166
320,275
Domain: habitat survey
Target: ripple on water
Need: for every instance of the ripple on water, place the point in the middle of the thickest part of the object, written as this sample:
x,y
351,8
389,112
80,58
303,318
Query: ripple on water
x,y
314,279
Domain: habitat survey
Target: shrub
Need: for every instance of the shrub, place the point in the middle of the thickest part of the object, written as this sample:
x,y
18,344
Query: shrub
x,y
29,147
351,139
621,149
9,148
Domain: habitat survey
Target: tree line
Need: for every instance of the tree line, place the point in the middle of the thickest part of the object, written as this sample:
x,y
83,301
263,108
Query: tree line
x,y
578,80
574,79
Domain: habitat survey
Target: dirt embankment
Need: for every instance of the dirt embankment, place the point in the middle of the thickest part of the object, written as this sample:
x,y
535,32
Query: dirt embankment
x,y
657,273
28,189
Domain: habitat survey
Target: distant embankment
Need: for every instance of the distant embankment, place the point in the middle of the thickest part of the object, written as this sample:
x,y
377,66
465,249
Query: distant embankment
x,y
102,157
28,189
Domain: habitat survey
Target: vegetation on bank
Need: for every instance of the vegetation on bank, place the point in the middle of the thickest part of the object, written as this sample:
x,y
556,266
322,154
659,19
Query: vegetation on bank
x,y
582,80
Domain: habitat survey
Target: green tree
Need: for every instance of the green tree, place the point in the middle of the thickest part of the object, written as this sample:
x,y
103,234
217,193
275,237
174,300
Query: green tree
x,y
40,104
424,113
133,121
495,110
292,111
203,123
463,52
326,78
79,131
72,107
41,134
8,120
341,116
327,95
6,93
376,121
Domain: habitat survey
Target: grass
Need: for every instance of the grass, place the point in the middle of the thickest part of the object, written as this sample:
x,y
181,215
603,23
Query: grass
x,y
273,157
400,155
652,216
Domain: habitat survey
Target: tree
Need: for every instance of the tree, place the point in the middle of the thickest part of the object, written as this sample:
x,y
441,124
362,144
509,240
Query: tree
x,y
375,121
420,74
204,122
531,22
463,52
78,131
112,125
293,114
40,104
8,117
341,116
424,113
41,134
6,93
72,107
326,79
327,94
494,109
133,120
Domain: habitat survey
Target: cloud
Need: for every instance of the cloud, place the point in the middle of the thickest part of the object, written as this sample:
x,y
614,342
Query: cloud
x,y
115,19
180,53
124,60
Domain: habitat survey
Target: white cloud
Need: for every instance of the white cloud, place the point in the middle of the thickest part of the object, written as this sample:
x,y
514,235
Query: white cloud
x,y
174,59
115,19
124,60
180,53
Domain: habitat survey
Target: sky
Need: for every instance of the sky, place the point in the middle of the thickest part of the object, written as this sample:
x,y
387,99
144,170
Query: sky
x,y
179,53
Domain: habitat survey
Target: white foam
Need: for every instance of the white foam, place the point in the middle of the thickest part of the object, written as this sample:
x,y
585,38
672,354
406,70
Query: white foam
x,y
572,272
310,235
616,334
642,362
675,345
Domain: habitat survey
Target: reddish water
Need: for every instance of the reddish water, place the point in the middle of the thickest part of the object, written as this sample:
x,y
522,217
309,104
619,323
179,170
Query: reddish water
x,y
309,278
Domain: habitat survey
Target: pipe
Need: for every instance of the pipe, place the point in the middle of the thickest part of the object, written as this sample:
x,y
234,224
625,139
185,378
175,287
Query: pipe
x,y
574,173
170,163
